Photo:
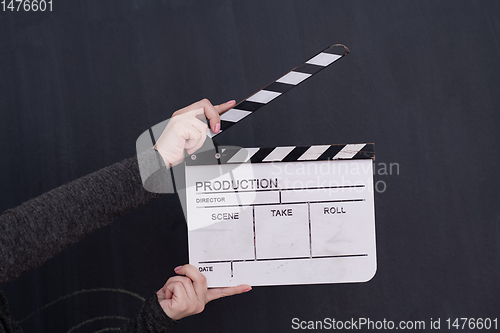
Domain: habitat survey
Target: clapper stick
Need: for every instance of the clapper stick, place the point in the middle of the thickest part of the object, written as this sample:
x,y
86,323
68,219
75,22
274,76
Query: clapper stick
x,y
280,86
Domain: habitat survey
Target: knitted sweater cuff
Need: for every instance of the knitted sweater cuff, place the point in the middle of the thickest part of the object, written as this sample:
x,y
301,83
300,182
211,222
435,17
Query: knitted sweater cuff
x,y
151,318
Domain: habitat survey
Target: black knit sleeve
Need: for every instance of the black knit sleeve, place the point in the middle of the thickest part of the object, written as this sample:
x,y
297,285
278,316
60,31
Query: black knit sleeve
x,y
151,319
38,229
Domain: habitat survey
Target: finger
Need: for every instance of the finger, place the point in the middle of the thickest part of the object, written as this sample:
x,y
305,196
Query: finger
x,y
191,135
189,108
199,280
176,291
221,108
187,284
200,125
197,119
216,293
212,115
196,144
211,112
208,110
177,302
195,141
168,292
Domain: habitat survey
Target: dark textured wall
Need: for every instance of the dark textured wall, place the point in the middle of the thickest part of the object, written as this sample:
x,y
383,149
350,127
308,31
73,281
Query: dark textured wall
x,y
80,84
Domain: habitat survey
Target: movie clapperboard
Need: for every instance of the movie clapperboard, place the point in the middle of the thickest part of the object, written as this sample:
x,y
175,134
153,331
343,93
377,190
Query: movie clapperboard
x,y
281,215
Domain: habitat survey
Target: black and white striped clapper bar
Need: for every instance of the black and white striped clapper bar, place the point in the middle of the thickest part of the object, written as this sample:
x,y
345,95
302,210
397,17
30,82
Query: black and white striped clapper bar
x,y
281,215
281,86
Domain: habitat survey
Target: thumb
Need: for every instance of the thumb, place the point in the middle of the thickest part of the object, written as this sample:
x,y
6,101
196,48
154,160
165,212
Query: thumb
x,y
216,293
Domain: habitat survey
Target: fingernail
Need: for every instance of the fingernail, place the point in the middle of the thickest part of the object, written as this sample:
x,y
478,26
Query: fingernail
x,y
217,127
248,289
231,101
177,268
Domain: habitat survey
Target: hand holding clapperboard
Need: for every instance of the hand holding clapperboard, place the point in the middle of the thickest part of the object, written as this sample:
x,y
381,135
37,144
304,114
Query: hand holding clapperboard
x,y
279,215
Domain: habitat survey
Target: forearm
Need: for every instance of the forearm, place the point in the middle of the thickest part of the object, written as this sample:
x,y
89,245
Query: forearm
x,y
151,318
38,229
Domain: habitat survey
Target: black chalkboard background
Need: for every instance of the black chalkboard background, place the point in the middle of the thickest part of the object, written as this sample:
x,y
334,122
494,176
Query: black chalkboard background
x,y
79,84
